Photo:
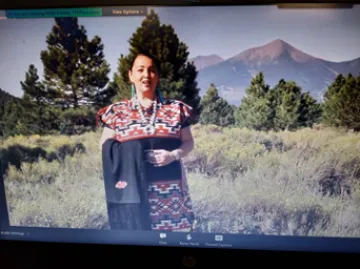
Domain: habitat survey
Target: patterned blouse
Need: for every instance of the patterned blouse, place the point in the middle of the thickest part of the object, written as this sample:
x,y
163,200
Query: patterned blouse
x,y
124,118
170,206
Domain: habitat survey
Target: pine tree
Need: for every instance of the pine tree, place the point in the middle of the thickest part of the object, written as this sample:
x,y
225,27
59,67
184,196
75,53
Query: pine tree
x,y
254,114
258,88
330,116
342,103
33,89
309,111
335,87
37,101
282,107
255,111
211,96
75,71
177,75
286,105
216,110
19,119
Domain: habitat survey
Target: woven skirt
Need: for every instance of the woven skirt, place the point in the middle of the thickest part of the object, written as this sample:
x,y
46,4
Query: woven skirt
x,y
170,206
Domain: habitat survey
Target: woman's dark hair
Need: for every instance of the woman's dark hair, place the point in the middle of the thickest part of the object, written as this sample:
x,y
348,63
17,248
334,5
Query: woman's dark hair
x,y
155,61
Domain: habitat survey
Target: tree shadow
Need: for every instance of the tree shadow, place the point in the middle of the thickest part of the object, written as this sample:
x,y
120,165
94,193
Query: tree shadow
x,y
17,154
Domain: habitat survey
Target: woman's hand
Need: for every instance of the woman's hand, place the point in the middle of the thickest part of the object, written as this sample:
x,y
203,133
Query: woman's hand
x,y
162,157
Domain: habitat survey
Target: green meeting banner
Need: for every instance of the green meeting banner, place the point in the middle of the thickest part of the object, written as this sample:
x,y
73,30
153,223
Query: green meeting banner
x,y
52,13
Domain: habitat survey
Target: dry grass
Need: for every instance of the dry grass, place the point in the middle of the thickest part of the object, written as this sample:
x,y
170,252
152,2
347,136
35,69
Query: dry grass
x,y
59,194
241,181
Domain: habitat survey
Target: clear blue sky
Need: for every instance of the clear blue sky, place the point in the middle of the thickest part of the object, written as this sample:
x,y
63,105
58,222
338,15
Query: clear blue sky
x,y
331,34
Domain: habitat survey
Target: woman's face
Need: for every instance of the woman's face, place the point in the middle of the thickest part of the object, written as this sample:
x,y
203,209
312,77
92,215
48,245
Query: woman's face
x,y
144,75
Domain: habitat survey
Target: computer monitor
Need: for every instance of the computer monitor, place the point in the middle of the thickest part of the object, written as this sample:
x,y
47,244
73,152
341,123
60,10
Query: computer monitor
x,y
192,127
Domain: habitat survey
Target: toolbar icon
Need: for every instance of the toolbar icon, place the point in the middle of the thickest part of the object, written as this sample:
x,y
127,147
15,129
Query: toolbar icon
x,y
163,235
219,238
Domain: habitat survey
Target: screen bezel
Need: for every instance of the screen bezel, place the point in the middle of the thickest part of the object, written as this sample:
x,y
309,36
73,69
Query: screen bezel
x,y
42,253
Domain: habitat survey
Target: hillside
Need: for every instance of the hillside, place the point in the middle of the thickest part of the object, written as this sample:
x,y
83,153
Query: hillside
x,y
6,97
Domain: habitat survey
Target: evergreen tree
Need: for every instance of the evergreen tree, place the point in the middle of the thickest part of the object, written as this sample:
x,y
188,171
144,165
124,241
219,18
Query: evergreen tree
x,y
33,89
282,107
34,92
330,114
255,110
287,105
211,96
37,101
216,110
258,88
309,111
342,103
177,75
335,87
75,71
254,114
19,119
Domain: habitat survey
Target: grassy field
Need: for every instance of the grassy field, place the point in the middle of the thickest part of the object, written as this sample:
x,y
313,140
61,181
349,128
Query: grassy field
x,y
287,183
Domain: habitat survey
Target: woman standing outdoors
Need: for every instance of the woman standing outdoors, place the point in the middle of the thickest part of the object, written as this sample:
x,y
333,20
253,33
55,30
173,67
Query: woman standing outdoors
x,y
149,135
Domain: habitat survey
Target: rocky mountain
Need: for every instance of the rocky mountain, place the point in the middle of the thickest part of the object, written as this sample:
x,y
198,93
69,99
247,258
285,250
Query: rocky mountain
x,y
202,62
276,60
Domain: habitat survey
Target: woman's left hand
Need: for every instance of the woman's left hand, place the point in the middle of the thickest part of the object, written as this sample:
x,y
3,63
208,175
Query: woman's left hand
x,y
162,157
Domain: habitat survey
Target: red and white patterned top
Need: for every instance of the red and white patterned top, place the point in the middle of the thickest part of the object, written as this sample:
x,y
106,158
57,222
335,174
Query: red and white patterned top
x,y
124,118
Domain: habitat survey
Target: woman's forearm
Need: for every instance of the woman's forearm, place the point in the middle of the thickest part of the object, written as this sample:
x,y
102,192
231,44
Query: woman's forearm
x,y
187,143
186,147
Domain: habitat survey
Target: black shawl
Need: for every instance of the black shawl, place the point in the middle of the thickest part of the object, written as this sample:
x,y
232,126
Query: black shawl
x,y
126,162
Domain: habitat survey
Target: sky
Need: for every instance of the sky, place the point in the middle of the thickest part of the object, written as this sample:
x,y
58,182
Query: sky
x,y
330,34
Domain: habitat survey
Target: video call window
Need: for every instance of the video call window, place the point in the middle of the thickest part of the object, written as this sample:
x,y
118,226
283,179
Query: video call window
x,y
240,120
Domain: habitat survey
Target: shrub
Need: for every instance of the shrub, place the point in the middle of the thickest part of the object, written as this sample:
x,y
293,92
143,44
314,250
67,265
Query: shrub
x,y
282,183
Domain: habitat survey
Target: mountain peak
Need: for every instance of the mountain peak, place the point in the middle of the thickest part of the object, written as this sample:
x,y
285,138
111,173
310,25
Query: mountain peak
x,y
275,48
277,43
271,51
203,61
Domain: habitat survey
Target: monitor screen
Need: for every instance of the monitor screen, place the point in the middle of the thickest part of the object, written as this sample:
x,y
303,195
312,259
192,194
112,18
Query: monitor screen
x,y
190,126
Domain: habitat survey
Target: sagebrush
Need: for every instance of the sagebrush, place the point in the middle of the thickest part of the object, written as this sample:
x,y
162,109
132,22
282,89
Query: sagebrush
x,y
241,181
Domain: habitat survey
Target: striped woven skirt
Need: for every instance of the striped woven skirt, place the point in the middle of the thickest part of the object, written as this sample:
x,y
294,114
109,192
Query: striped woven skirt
x,y
170,206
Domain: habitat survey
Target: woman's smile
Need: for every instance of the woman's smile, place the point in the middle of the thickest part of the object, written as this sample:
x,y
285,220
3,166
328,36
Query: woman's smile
x,y
146,83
